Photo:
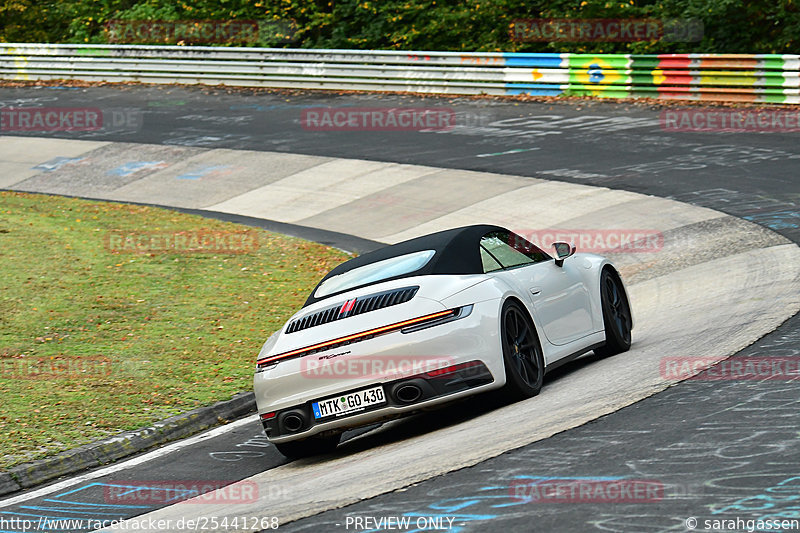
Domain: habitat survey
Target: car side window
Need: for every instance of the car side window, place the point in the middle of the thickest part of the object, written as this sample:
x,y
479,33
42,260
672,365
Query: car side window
x,y
509,250
526,247
490,264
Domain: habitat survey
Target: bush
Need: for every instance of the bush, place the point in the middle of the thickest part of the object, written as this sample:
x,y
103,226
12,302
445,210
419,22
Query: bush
x,y
730,26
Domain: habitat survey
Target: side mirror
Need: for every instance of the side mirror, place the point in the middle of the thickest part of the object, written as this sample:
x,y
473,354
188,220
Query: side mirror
x,y
563,250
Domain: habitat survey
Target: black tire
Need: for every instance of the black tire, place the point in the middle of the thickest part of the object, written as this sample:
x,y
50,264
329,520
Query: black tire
x,y
522,353
308,447
616,315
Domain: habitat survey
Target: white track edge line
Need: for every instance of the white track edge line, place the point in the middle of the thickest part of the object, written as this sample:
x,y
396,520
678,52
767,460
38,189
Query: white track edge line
x,y
149,456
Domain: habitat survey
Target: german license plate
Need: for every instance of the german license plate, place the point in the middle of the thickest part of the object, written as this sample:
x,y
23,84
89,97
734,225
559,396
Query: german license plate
x,y
348,404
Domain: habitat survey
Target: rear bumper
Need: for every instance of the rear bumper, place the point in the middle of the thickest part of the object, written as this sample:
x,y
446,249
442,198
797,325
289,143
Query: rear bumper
x,y
290,387
403,395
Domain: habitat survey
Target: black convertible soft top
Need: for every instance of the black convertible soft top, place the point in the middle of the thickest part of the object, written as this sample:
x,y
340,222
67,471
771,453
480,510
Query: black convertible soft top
x,y
457,252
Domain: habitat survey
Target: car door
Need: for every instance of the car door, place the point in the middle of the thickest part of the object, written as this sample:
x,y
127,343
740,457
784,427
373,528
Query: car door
x,y
558,294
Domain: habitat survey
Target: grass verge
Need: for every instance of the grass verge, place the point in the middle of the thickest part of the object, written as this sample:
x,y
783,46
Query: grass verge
x,y
102,332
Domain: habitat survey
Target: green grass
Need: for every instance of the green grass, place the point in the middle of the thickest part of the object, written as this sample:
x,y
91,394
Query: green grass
x,y
128,338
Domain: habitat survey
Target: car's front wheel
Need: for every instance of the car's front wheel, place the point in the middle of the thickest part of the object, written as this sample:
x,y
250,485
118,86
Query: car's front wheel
x,y
522,353
308,447
616,315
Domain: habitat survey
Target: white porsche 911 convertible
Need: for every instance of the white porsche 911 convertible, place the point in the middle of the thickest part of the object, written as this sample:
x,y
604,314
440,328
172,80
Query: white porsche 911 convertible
x,y
429,321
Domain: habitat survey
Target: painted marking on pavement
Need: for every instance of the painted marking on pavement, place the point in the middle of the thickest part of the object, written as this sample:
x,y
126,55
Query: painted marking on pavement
x,y
509,152
135,166
57,162
205,171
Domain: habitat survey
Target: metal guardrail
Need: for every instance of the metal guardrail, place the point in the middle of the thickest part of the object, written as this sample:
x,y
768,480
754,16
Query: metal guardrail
x,y
769,78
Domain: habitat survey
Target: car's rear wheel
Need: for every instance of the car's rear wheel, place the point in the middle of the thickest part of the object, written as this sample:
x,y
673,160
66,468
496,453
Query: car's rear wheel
x,y
522,353
308,447
616,315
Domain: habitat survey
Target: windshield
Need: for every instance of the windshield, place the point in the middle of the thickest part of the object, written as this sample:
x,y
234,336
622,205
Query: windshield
x,y
388,268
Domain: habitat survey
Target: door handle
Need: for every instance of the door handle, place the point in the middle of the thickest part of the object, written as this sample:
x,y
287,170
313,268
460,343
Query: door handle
x,y
536,290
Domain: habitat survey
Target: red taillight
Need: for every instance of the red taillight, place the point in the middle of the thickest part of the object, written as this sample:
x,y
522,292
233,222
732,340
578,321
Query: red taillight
x,y
356,336
452,368
268,416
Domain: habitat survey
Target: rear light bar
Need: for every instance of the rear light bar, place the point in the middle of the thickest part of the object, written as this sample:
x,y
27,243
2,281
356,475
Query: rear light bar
x,y
357,336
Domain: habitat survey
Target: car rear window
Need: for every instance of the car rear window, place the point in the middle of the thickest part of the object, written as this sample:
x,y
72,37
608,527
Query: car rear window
x,y
374,272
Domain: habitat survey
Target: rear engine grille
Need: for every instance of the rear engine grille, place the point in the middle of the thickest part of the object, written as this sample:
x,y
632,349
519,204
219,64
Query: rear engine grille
x,y
352,307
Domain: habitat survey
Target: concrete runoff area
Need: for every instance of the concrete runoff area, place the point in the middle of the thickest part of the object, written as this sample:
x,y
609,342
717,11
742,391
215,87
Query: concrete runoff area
x,y
212,177
20,156
318,189
409,204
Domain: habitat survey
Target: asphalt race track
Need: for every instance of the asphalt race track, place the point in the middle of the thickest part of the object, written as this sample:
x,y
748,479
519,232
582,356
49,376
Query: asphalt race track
x,y
713,449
